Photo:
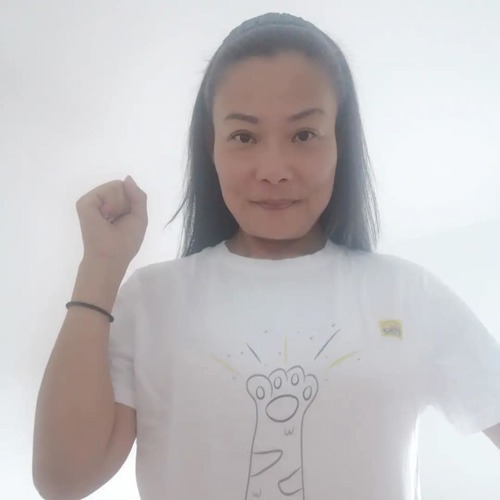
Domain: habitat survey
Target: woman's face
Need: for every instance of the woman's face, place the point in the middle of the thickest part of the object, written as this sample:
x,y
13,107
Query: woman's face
x,y
274,144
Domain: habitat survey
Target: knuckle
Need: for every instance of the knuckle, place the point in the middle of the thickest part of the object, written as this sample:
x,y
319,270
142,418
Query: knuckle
x,y
80,202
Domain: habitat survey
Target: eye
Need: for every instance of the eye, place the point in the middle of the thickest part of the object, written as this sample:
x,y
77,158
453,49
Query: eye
x,y
241,134
303,133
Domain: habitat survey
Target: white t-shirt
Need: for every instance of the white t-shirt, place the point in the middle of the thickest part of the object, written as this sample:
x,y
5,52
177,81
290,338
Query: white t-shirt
x,y
300,378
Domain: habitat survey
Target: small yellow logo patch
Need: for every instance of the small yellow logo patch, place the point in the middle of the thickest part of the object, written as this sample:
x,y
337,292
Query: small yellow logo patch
x,y
391,328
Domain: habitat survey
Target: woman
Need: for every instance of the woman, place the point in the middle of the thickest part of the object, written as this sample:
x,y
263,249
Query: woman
x,y
279,357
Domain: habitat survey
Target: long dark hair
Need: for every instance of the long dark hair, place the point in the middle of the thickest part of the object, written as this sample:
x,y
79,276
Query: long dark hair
x,y
351,217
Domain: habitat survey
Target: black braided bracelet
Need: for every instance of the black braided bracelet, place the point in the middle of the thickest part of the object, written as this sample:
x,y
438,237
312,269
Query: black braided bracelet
x,y
90,306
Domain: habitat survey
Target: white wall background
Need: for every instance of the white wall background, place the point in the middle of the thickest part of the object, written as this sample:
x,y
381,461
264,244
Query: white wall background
x,y
91,91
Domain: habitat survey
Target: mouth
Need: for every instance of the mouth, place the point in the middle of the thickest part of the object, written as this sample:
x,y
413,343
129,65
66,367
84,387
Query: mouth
x,y
275,204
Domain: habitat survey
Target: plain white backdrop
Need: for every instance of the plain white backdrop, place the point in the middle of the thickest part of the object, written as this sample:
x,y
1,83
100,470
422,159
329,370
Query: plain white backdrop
x,y
91,91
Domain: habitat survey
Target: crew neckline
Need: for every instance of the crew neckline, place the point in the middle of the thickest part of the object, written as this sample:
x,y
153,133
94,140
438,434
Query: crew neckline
x,y
275,265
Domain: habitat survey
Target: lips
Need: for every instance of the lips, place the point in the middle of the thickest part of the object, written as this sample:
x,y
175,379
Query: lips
x,y
275,204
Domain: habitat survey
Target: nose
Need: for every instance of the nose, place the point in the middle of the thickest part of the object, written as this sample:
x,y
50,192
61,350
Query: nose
x,y
273,166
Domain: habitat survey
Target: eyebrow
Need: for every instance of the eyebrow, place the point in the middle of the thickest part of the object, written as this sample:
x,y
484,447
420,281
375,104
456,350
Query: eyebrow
x,y
293,118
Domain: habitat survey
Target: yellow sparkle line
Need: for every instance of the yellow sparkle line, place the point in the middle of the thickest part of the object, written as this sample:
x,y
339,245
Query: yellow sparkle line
x,y
286,350
225,365
343,358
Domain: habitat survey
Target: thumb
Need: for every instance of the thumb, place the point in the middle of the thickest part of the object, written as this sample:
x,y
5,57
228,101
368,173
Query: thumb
x,y
136,196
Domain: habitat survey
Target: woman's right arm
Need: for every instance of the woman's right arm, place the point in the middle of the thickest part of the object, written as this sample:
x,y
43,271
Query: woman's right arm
x,y
81,436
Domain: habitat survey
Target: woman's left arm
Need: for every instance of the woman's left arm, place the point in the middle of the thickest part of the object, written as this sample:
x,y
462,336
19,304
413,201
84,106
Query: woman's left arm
x,y
463,362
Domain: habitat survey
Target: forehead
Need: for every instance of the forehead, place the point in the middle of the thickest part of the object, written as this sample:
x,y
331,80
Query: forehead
x,y
284,83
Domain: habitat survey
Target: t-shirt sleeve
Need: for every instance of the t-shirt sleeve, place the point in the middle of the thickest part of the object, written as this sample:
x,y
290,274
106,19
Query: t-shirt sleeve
x,y
121,345
463,376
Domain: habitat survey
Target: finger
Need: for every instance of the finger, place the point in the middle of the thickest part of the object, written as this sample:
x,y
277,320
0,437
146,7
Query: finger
x,y
114,201
136,196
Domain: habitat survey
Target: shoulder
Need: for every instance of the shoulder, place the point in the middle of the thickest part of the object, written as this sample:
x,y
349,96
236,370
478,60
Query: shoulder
x,y
173,271
382,267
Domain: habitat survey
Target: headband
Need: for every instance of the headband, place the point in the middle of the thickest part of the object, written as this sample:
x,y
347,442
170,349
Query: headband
x,y
270,19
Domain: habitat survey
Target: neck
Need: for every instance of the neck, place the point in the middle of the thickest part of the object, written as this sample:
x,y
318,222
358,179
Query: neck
x,y
261,248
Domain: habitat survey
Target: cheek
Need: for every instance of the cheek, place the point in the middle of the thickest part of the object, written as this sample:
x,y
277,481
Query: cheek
x,y
320,198
320,183
232,182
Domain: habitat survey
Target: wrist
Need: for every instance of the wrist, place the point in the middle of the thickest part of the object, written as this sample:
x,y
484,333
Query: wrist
x,y
98,282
